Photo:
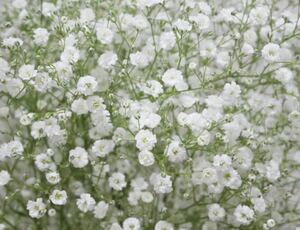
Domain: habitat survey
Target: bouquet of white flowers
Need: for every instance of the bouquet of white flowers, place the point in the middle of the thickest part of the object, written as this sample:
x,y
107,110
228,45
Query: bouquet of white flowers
x,y
150,114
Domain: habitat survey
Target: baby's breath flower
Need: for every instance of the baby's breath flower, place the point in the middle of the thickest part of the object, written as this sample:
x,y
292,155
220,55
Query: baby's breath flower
x,y
149,114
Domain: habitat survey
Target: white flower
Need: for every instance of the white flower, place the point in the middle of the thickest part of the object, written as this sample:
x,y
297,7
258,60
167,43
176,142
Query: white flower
x,y
70,40
70,55
19,4
95,104
38,129
4,177
226,15
175,152
201,20
167,40
147,3
270,52
4,68
207,49
107,60
247,49
41,36
43,161
48,8
139,59
79,106
216,212
243,158
182,118
232,131
53,177
204,8
26,119
250,37
117,181
140,22
87,15
151,87
182,25
86,202
115,226
26,72
209,175
58,197
231,94
146,158
100,210
42,82
52,212
161,183
271,223
37,208
104,34
87,85
204,138
163,225
284,75
145,140
243,214
222,161
272,170
223,58
78,157
134,197
4,111
149,120
231,178
131,223
102,148
64,71
11,41
172,77
14,148
210,113
259,204
139,183
259,15
147,197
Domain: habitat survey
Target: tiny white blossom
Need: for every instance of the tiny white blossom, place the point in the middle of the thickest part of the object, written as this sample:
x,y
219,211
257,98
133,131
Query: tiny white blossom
x,y
204,138
102,148
27,72
167,40
243,214
146,158
117,181
58,197
86,202
37,208
41,36
100,210
87,85
163,225
216,212
4,177
131,223
271,52
78,157
107,60
161,183
145,140
53,177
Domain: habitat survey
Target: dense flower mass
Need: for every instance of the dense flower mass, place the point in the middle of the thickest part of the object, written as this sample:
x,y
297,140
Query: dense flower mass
x,y
150,114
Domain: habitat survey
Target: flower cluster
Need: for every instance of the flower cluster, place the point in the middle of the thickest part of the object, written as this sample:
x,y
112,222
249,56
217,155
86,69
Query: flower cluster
x,y
150,114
